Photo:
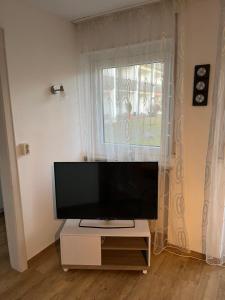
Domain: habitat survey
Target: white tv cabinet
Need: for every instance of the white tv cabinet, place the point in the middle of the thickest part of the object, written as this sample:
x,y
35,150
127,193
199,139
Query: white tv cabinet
x,y
106,249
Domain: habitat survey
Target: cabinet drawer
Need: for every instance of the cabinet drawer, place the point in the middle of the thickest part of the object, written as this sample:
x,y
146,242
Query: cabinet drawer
x,y
80,250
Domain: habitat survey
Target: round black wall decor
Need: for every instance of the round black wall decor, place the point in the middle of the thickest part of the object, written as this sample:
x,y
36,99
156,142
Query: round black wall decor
x,y
201,85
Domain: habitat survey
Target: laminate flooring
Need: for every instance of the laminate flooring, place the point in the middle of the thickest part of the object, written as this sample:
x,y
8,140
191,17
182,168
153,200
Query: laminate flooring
x,y
170,278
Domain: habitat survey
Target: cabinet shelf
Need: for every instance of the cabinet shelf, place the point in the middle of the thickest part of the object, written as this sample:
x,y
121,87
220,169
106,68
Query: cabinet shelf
x,y
124,243
124,258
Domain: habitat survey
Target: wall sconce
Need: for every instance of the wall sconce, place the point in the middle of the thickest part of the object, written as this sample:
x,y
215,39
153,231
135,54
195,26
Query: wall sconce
x,y
56,89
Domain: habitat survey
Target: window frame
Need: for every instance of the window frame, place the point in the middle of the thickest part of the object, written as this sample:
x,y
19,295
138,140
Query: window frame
x,y
100,60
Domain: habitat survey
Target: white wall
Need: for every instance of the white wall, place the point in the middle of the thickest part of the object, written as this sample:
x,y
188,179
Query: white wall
x,y
201,30
40,52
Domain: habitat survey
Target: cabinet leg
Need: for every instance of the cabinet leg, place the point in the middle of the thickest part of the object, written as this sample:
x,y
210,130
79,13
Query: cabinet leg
x,y
145,272
65,269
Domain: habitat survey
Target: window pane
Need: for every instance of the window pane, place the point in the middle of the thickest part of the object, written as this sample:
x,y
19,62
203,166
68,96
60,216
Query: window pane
x,y
132,104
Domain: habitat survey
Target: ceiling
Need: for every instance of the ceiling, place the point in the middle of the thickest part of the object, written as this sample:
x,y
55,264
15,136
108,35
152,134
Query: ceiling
x,y
77,9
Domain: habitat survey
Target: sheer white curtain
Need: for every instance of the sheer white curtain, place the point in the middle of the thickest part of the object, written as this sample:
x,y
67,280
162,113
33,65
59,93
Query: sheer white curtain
x,y
171,227
214,205
125,87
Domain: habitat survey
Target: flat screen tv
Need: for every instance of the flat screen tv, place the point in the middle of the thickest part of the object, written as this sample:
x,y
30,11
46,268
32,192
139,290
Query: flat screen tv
x,y
106,190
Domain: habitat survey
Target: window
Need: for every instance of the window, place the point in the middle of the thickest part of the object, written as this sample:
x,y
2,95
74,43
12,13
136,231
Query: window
x,y
129,101
132,104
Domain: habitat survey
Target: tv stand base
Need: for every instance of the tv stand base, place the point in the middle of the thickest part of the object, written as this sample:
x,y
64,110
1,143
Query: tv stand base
x,y
105,249
107,224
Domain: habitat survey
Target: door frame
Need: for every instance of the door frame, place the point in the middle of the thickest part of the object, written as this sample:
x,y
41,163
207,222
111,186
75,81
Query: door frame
x,y
9,172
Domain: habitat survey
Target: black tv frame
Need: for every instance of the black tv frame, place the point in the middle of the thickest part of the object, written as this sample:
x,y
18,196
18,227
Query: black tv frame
x,y
154,166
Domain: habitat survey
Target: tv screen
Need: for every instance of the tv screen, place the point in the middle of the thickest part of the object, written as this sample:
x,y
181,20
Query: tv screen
x,y
106,190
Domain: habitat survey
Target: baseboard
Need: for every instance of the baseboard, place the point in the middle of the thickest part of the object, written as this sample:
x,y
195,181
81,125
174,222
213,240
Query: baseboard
x,y
176,250
170,247
43,252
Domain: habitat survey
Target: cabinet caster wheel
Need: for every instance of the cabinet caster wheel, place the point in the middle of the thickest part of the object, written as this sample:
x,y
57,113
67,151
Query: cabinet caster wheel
x,y
65,269
145,272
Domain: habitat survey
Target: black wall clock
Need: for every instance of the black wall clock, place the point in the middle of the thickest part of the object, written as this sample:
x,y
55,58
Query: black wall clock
x,y
201,85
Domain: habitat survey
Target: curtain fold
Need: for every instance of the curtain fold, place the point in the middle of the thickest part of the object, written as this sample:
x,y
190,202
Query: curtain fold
x,y
171,227
213,225
129,107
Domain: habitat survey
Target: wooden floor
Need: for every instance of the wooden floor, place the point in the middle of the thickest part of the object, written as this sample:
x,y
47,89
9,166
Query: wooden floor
x,y
170,277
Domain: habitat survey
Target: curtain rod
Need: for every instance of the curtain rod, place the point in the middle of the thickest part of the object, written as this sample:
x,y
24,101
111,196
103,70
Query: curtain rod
x,y
109,12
